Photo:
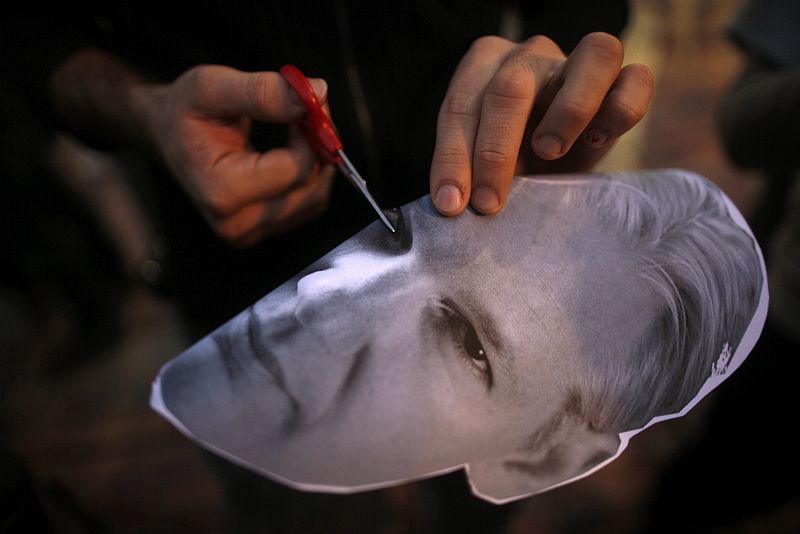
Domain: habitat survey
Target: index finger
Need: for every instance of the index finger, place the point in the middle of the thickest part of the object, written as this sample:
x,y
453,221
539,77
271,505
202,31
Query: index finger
x,y
457,124
505,111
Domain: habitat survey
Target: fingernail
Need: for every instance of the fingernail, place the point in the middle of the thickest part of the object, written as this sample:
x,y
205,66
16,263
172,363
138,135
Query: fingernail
x,y
295,100
448,198
550,145
485,199
595,138
320,87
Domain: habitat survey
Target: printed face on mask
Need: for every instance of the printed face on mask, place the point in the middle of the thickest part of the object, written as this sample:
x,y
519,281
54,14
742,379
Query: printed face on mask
x,y
453,342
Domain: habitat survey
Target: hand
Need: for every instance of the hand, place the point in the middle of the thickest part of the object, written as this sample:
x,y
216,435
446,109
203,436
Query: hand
x,y
527,108
200,125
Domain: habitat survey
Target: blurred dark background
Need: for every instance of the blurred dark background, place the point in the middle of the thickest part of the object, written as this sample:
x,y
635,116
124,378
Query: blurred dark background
x,y
83,332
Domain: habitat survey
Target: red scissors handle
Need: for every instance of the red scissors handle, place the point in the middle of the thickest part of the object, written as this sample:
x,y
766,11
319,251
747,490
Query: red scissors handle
x,y
318,129
316,125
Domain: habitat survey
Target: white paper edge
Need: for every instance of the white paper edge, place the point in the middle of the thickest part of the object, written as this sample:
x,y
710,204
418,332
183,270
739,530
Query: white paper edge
x,y
157,404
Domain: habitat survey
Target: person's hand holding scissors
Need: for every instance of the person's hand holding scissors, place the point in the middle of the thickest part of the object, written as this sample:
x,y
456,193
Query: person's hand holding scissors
x,y
200,124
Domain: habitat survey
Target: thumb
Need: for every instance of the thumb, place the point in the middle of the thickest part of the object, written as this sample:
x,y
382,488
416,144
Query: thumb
x,y
226,92
320,88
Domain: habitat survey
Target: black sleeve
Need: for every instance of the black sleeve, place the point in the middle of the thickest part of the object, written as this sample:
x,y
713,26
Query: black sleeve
x,y
760,116
567,21
34,41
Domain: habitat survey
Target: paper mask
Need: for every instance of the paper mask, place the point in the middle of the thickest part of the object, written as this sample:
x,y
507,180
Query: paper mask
x,y
527,347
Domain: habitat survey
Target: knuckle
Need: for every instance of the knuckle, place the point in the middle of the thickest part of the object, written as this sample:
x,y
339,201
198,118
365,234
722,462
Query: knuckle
x,y
542,44
217,206
232,231
200,79
511,86
628,115
239,227
492,158
603,46
259,90
451,156
199,147
488,43
217,193
577,110
461,104
219,202
540,40
206,76
198,74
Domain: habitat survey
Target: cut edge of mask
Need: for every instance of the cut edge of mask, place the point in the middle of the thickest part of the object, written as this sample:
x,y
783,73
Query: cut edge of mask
x,y
158,405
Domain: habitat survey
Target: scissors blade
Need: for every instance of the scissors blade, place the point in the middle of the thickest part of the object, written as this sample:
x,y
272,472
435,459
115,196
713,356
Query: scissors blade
x,y
350,171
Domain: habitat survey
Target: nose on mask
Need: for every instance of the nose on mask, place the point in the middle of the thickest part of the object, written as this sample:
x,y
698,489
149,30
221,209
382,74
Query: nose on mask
x,y
320,296
354,283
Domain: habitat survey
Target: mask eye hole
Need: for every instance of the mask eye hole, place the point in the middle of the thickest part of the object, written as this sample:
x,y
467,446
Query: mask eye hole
x,y
399,241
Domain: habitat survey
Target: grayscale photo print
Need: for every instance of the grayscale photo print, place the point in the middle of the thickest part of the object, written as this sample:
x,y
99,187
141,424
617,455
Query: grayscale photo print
x,y
526,347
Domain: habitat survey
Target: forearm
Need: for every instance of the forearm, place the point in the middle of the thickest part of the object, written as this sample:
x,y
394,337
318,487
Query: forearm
x,y
95,95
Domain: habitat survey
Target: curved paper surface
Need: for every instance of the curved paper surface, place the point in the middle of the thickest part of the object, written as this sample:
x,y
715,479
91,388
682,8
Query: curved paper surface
x,y
527,347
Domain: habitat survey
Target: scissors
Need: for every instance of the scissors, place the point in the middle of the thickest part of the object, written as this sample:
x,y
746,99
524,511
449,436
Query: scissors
x,y
318,129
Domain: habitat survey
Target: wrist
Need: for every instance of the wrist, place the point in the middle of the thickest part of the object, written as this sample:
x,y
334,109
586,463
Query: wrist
x,y
145,115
